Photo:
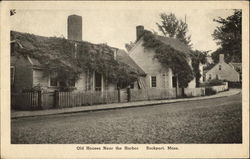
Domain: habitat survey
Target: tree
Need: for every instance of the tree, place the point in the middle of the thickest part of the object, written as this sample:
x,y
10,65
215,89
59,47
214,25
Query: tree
x,y
171,27
129,46
228,37
198,57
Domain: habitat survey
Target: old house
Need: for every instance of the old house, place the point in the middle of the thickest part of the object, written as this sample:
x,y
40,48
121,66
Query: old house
x,y
224,71
51,63
158,76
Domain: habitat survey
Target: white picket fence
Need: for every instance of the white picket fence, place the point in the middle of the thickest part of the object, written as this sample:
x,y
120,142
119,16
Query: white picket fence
x,y
220,88
194,92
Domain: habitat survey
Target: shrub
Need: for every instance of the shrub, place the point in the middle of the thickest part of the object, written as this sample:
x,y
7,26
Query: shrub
x,y
213,82
209,91
234,84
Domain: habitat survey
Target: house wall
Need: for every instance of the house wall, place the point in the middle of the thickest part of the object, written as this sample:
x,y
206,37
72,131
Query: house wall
x,y
23,74
152,67
81,82
192,84
226,72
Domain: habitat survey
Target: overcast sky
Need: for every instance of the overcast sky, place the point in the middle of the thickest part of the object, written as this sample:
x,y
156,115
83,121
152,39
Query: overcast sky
x,y
115,25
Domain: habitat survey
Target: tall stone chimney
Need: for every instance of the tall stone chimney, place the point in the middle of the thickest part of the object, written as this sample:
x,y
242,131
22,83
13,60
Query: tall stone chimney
x,y
221,58
75,27
139,31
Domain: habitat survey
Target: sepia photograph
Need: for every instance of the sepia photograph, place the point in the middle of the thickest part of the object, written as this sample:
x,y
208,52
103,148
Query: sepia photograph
x,y
129,74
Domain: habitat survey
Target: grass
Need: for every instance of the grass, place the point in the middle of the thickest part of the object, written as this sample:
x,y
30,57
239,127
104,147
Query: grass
x,y
207,121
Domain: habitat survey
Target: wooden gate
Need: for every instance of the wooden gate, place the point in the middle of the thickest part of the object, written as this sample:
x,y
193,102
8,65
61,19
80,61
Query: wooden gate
x,y
48,100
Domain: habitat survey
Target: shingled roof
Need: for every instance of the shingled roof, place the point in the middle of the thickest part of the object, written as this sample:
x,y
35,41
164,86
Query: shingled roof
x,y
31,42
125,58
174,43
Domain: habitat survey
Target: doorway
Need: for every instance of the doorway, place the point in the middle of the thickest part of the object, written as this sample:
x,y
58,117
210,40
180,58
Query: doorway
x,y
98,81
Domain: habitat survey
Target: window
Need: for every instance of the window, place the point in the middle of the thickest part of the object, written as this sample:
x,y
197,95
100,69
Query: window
x,y
72,82
12,48
217,77
210,77
153,81
53,80
12,74
132,86
174,81
219,67
62,84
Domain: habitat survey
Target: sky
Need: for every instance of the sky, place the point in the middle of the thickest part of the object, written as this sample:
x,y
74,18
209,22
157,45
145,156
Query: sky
x,y
116,25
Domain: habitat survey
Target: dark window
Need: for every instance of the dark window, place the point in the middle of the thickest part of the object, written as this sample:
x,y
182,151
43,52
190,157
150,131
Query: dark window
x,y
98,81
210,77
132,86
153,81
217,77
219,67
12,74
204,77
12,48
72,82
53,79
62,84
174,81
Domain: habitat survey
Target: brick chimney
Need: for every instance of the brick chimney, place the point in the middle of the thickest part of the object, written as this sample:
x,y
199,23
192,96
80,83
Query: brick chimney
x,y
75,27
139,31
221,58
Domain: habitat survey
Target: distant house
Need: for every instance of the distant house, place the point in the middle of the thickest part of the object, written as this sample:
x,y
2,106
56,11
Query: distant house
x,y
224,71
28,70
157,76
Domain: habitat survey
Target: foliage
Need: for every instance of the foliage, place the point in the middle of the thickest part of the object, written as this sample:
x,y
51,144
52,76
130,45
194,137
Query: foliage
x,y
209,91
170,26
33,89
234,84
170,58
129,46
209,66
229,37
213,82
198,57
69,58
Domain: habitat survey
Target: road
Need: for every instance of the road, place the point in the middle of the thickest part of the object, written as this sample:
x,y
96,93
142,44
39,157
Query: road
x,y
205,121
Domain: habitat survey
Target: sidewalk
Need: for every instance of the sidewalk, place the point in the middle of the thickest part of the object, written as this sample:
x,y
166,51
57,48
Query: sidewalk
x,y
19,114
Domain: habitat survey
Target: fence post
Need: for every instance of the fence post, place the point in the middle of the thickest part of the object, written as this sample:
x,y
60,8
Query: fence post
x,y
39,99
183,92
119,95
56,99
129,94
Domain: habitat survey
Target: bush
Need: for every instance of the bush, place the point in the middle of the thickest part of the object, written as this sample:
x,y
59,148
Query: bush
x,y
209,91
32,89
234,85
213,82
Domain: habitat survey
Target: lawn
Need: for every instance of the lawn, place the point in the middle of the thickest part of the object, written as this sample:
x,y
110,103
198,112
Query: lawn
x,y
206,121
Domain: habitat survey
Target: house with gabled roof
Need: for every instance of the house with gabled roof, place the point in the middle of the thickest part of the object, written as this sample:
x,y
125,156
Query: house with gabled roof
x,y
224,71
52,63
157,75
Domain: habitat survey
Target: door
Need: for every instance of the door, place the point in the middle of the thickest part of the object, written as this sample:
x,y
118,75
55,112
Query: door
x,y
98,81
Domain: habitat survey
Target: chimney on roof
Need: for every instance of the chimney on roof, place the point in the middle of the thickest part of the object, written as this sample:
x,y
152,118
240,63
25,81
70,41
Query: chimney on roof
x,y
75,27
221,58
139,31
